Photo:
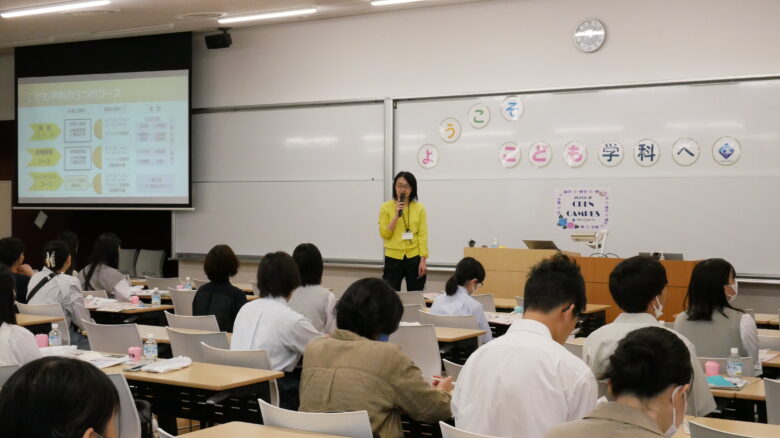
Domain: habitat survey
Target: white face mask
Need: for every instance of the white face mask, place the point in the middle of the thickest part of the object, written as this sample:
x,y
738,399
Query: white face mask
x,y
659,310
734,287
673,427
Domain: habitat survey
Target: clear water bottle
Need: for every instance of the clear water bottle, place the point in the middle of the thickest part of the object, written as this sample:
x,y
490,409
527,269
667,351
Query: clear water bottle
x,y
55,337
188,283
734,364
150,348
494,243
156,299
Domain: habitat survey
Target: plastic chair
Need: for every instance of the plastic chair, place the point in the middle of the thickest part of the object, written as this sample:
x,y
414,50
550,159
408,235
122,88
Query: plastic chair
x,y
95,293
127,260
112,338
257,359
162,283
748,365
412,298
6,371
149,263
130,423
255,289
411,313
770,342
197,283
348,424
520,301
48,310
420,344
575,349
448,431
461,321
488,302
452,369
206,322
702,431
772,388
188,344
182,301
751,312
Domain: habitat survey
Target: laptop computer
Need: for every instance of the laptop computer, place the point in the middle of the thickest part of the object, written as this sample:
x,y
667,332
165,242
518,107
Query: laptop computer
x,y
540,244
667,255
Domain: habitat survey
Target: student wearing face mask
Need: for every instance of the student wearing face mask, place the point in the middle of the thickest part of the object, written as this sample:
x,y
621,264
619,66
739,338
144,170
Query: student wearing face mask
x,y
638,286
457,300
647,403
710,321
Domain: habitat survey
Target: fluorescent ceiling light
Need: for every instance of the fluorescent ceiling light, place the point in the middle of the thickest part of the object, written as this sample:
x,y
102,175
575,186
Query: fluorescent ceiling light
x,y
57,7
268,15
391,2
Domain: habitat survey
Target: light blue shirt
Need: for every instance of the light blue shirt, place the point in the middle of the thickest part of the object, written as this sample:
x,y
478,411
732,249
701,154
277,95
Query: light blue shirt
x,y
460,303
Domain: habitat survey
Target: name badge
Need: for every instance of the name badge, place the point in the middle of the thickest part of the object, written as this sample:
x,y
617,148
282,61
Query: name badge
x,y
407,235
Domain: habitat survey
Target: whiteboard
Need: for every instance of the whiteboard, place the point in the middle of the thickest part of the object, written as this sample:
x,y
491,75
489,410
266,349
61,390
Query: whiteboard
x,y
702,210
269,179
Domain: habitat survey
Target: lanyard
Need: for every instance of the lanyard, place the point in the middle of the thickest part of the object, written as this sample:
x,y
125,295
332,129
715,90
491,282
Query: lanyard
x,y
406,226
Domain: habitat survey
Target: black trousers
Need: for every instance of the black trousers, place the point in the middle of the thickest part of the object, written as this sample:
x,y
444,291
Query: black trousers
x,y
396,270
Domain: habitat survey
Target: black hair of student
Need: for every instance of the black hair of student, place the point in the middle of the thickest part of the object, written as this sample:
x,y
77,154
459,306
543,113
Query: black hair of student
x,y
104,252
11,249
553,283
277,275
705,290
369,308
647,361
412,183
220,264
636,281
466,270
55,254
71,239
309,260
37,401
7,286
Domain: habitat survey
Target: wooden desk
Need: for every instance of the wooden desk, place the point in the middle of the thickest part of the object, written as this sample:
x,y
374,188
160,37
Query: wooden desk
x,y
239,429
767,319
246,287
160,334
451,334
769,332
730,393
752,391
25,320
774,362
741,428
207,376
145,309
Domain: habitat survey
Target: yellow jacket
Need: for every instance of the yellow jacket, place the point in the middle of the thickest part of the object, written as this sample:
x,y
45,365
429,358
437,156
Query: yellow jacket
x,y
395,246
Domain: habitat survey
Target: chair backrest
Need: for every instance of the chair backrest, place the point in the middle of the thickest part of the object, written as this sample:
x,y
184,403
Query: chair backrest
x,y
461,321
149,263
182,301
701,431
162,283
257,359
188,344
48,310
205,322
348,424
488,302
452,369
420,344
6,371
772,388
575,349
197,283
95,293
163,434
127,259
411,313
769,342
520,301
255,289
130,423
748,364
412,298
448,431
751,312
113,338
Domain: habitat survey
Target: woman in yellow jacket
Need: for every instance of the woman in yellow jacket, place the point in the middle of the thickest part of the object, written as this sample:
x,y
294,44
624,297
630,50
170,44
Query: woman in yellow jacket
x,y
404,229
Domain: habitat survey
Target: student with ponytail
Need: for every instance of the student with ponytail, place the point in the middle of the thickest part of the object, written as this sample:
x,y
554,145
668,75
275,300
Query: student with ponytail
x,y
52,286
649,375
457,301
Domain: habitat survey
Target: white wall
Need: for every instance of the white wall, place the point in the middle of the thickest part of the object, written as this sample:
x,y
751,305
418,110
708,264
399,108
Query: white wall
x,y
7,100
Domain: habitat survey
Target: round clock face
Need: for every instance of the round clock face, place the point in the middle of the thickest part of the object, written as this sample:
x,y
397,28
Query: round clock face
x,y
590,35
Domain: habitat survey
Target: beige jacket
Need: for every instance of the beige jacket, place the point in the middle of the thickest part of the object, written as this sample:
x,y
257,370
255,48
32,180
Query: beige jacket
x,y
611,419
346,372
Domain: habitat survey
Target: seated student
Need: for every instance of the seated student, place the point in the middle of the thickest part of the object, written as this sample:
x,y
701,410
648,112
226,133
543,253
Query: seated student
x,y
102,273
638,286
219,297
12,255
648,403
17,344
525,382
312,300
52,286
352,370
710,321
72,240
59,397
457,301
270,324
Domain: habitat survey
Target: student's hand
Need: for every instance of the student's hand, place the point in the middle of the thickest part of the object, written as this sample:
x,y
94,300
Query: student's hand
x,y
26,269
423,268
443,384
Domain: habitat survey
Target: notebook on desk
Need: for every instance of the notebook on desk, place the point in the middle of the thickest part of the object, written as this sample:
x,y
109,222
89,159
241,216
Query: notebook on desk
x,y
720,382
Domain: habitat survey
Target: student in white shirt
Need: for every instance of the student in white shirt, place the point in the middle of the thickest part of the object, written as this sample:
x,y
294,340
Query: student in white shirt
x,y
525,382
52,286
270,324
710,321
102,273
17,344
457,300
638,286
312,300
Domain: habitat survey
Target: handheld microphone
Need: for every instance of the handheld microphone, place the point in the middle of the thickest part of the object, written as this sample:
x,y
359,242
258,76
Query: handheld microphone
x,y
401,198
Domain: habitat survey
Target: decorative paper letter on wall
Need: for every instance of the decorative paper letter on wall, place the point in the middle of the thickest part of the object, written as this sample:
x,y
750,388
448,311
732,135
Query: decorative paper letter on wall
x,y
509,155
540,154
647,152
427,156
512,108
726,151
575,153
479,115
611,153
450,130
685,151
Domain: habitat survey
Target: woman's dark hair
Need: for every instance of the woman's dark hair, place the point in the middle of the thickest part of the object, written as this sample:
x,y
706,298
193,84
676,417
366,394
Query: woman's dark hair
x,y
309,261
104,252
369,308
412,183
277,275
7,286
71,239
705,290
221,263
647,361
55,254
11,249
467,269
38,400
